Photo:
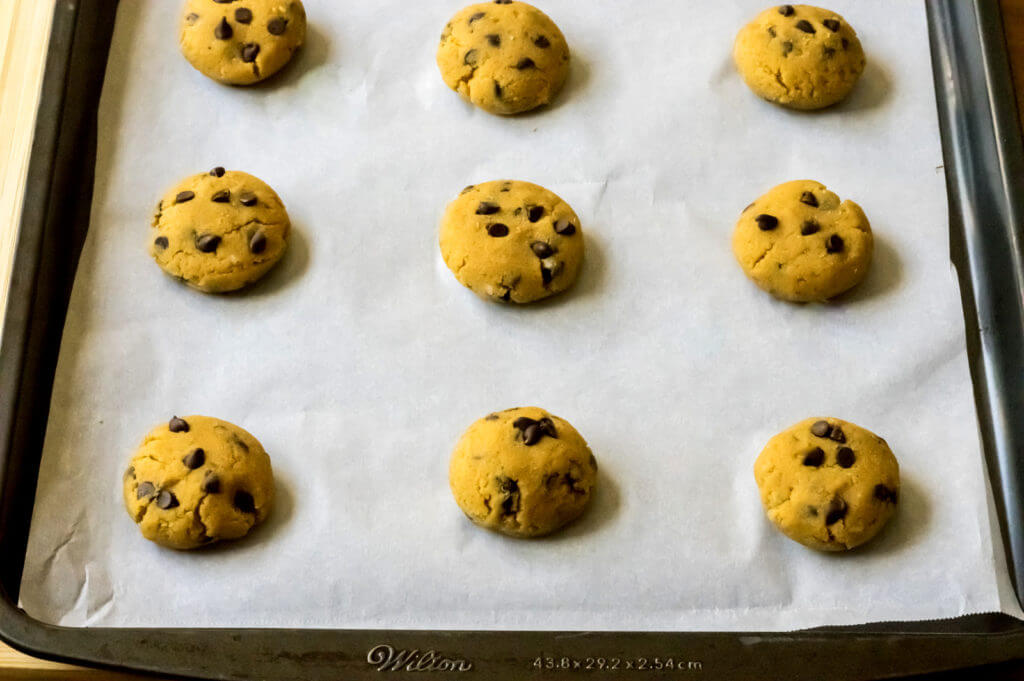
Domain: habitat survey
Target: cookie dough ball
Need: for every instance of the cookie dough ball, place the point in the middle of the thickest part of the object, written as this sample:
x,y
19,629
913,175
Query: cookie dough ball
x,y
197,480
240,42
219,231
522,472
799,56
506,57
828,484
801,243
512,241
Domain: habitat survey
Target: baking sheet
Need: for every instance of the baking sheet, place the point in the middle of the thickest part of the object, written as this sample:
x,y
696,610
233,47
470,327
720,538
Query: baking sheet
x,y
360,360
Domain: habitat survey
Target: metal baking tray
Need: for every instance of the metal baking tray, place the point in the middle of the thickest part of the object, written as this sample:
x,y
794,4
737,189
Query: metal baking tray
x,y
984,165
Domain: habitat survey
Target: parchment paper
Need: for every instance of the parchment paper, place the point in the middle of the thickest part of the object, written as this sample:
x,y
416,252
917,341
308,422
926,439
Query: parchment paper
x,y
360,361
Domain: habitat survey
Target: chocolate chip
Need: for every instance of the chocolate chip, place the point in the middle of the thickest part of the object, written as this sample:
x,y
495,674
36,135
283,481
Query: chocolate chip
x,y
244,502
469,188
809,227
810,199
543,249
191,18
565,227
218,171
532,434
805,26
161,242
195,458
247,199
146,489
223,30
475,17
786,10
491,417
487,208
130,473
883,493
834,244
184,196
494,39
836,511
815,457
177,425
497,89
766,222
250,52
846,44
258,242
542,42
243,15
821,429
593,462
787,47
502,2
471,58
497,230
276,26
534,431
837,434
828,52
547,274
166,499
526,63
211,483
207,243
223,196
831,24
771,31
224,2
845,457
509,488
535,213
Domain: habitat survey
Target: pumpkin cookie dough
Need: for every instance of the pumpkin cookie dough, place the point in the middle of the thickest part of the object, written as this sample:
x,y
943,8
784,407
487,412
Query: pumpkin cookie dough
x,y
240,42
828,484
197,480
219,231
801,243
522,472
799,56
506,57
512,241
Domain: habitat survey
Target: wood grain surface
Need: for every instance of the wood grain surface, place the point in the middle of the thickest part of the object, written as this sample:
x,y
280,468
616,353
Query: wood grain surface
x,y
24,29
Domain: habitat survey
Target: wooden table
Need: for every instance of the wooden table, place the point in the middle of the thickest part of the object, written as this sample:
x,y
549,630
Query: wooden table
x,y
24,29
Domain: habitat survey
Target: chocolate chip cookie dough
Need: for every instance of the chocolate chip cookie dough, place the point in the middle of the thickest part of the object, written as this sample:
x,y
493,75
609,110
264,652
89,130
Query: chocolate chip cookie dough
x,y
219,231
522,472
240,42
828,484
512,241
801,243
196,480
505,56
799,56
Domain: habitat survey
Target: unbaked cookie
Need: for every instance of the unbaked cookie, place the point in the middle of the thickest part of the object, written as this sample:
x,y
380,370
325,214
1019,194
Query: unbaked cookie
x,y
828,484
219,231
522,472
506,57
801,243
197,480
799,56
240,42
512,241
